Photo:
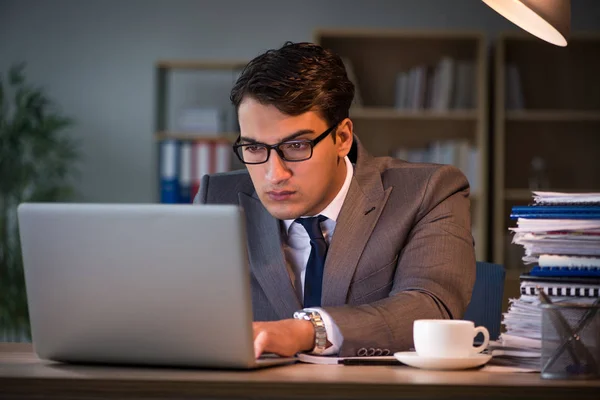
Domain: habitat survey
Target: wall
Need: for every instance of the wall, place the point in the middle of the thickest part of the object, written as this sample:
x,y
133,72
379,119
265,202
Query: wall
x,y
96,59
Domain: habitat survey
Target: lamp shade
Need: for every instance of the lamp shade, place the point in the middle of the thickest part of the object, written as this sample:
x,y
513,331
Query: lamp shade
x,y
549,20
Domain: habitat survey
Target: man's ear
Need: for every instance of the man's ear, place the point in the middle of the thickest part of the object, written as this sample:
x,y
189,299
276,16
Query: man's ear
x,y
344,137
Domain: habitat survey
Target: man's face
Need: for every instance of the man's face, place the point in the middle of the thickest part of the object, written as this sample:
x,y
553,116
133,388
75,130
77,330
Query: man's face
x,y
289,190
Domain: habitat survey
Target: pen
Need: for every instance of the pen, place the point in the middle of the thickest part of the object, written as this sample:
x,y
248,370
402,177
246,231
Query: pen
x,y
369,361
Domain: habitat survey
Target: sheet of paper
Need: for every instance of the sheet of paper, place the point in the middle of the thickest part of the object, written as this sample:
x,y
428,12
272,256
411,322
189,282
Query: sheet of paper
x,y
507,369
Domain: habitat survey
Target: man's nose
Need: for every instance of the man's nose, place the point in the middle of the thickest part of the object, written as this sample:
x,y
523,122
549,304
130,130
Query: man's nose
x,y
277,170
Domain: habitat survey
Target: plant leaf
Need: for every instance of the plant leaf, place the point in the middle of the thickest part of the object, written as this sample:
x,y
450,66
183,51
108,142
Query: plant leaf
x,y
16,75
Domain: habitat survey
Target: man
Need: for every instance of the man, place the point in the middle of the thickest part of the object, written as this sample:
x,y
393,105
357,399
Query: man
x,y
354,247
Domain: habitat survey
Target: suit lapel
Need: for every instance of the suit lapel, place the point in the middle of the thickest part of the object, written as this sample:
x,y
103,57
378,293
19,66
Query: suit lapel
x,y
357,219
267,262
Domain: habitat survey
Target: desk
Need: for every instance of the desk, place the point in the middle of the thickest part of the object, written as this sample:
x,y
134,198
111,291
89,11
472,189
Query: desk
x,y
23,375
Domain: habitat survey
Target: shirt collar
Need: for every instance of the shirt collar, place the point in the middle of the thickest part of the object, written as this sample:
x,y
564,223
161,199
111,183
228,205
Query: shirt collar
x,y
333,209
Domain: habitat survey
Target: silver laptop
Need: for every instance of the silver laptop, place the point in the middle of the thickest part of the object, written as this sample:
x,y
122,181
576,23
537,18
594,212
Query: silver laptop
x,y
144,284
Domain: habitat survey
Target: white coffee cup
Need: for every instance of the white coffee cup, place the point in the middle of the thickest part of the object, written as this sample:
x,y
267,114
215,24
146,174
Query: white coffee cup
x,y
447,338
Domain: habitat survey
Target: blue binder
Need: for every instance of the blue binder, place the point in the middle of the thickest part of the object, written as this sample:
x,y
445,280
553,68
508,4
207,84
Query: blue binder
x,y
565,271
169,182
556,212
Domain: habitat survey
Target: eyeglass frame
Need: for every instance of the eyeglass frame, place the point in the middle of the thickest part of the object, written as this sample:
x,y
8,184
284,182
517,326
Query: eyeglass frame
x,y
269,147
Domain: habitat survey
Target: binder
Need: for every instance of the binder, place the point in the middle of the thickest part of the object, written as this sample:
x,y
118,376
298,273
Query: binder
x,y
565,271
222,156
201,163
572,280
169,190
185,173
555,212
560,290
579,209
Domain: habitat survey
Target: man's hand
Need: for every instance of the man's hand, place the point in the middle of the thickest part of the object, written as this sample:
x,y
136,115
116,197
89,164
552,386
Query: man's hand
x,y
285,338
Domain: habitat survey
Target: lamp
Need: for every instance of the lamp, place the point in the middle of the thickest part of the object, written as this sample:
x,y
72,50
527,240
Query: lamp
x,y
549,20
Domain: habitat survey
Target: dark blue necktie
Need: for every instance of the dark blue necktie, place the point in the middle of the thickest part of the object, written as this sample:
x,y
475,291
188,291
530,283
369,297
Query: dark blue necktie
x,y
313,279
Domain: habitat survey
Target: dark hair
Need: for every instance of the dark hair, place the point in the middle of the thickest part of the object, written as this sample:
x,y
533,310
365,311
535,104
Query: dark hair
x,y
297,78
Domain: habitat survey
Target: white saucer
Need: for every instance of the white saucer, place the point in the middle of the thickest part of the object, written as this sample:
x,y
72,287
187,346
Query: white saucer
x,y
411,358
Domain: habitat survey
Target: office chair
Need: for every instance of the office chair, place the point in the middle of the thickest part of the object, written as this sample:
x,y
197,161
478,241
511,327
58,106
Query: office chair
x,y
485,307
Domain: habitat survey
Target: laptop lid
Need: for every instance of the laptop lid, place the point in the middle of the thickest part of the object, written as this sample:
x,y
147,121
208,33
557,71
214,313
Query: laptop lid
x,y
139,284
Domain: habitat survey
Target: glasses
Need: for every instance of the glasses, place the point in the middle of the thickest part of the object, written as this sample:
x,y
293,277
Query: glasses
x,y
291,150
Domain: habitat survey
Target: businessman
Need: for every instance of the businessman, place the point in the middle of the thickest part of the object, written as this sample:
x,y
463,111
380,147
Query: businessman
x,y
346,250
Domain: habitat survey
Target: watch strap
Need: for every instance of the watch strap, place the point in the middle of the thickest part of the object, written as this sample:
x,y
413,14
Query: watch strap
x,y
319,327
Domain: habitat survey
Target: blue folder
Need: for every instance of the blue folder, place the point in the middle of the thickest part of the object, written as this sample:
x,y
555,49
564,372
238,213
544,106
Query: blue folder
x,y
556,212
565,271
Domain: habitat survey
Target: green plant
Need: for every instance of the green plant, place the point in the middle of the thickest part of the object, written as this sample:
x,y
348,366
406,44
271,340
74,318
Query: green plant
x,y
36,164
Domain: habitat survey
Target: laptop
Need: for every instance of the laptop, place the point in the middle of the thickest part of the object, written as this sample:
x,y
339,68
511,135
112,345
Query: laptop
x,y
142,284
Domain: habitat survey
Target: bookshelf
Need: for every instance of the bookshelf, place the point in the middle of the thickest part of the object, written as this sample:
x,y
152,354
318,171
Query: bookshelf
x,y
549,110
384,121
200,88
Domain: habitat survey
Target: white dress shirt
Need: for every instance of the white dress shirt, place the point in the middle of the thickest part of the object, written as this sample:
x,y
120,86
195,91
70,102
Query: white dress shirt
x,y
296,249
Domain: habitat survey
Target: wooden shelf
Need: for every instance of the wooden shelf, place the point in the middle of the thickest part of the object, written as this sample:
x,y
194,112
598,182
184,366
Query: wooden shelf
x,y
553,116
423,115
199,65
217,137
522,36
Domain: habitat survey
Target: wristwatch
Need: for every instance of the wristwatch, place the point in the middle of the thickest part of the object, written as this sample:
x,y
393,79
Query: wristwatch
x,y
319,326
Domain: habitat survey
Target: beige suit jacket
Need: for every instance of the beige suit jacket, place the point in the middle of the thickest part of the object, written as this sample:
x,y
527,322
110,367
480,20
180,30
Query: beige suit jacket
x,y
402,250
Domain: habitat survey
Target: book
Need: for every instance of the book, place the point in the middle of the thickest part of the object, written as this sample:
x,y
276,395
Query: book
x,y
464,94
444,84
514,91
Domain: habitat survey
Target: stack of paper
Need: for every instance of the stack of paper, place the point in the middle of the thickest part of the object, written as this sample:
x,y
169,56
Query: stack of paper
x,y
561,230
520,346
520,354
560,233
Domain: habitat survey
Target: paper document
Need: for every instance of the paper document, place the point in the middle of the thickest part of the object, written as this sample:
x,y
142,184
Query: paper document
x,y
550,225
565,198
